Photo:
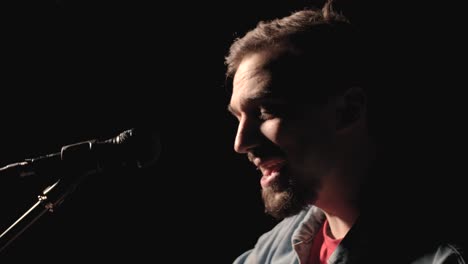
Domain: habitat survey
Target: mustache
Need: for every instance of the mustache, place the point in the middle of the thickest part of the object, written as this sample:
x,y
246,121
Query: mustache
x,y
264,152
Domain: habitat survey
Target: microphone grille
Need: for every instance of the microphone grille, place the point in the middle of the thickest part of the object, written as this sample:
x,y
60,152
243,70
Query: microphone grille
x,y
142,145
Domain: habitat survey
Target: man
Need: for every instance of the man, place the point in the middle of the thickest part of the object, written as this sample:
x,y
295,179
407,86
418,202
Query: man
x,y
301,97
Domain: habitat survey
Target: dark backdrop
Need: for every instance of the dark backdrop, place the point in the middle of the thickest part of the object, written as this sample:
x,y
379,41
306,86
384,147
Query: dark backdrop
x,y
78,70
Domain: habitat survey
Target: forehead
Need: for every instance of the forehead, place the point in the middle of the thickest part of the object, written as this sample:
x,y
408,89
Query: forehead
x,y
275,74
252,76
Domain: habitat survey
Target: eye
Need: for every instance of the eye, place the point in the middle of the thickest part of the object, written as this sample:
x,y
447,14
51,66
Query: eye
x,y
268,111
265,114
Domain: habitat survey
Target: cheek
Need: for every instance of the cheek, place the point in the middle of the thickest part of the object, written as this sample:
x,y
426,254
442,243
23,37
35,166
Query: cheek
x,y
293,138
302,142
273,130
285,135
308,147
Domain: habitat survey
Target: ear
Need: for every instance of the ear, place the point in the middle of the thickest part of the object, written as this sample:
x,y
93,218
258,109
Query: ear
x,y
350,108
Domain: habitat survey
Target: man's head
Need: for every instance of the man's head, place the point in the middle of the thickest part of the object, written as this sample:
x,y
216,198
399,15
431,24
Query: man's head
x,y
299,99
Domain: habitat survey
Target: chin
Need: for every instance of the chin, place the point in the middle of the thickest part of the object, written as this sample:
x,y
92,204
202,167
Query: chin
x,y
281,204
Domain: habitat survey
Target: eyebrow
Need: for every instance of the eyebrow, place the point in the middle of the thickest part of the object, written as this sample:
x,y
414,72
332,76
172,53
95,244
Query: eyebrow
x,y
257,97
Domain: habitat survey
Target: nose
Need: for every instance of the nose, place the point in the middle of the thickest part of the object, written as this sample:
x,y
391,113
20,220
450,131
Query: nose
x,y
247,136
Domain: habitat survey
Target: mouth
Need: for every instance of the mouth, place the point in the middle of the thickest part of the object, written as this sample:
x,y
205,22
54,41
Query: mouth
x,y
271,170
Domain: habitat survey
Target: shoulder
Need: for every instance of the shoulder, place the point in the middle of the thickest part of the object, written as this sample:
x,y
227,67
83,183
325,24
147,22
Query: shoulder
x,y
442,254
278,242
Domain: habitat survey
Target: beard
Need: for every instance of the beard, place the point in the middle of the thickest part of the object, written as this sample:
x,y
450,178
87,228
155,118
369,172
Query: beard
x,y
286,198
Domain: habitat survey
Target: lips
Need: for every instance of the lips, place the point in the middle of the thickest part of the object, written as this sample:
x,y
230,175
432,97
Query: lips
x,y
270,168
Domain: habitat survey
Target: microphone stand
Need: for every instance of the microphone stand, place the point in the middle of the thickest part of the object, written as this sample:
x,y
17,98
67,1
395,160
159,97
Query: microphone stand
x,y
50,198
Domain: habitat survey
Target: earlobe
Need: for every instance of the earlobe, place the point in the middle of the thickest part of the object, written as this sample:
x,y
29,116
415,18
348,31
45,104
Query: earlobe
x,y
350,108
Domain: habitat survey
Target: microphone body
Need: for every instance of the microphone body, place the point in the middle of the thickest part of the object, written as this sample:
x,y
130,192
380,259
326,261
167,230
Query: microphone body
x,y
132,148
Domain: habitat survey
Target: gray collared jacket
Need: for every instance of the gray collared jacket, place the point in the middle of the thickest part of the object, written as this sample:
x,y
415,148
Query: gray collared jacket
x,y
290,242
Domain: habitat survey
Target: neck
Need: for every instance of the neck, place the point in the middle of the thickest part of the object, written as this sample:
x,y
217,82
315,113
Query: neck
x,y
339,200
340,223
339,197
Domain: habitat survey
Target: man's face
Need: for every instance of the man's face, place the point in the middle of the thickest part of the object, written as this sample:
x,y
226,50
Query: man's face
x,y
291,143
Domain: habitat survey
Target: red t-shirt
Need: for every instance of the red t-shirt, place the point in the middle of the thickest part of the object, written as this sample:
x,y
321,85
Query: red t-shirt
x,y
322,246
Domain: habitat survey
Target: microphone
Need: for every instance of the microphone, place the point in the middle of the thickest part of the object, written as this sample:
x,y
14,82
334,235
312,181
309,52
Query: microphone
x,y
134,148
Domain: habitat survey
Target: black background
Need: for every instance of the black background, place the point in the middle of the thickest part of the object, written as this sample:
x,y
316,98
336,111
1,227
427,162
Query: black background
x,y
77,70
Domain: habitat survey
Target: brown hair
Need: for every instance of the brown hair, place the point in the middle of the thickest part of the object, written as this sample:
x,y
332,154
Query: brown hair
x,y
276,32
